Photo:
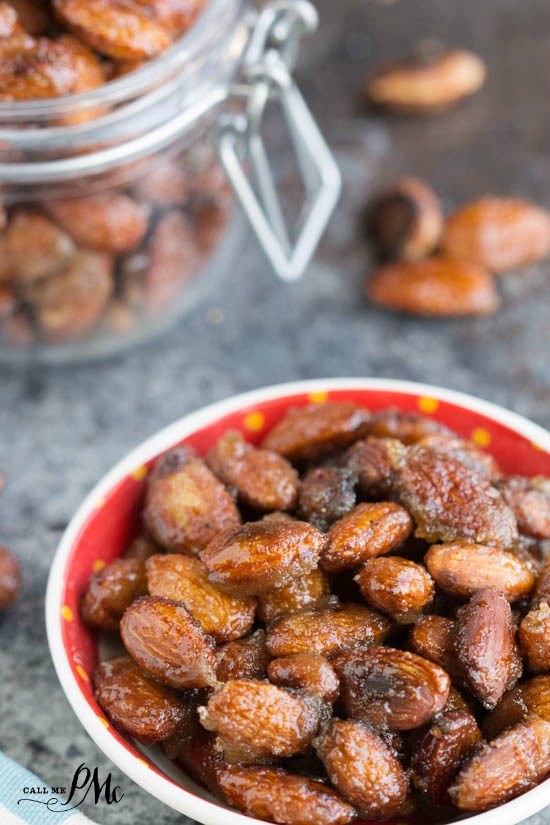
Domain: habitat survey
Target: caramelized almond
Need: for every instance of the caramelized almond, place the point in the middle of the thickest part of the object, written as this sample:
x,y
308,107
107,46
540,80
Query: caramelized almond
x,y
432,637
111,591
368,530
309,672
279,796
461,569
529,498
168,644
10,578
499,233
391,688
396,586
534,638
531,697
309,590
437,287
243,658
185,579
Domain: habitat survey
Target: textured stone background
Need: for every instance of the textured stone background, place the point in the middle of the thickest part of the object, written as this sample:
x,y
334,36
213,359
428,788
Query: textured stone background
x,y
63,428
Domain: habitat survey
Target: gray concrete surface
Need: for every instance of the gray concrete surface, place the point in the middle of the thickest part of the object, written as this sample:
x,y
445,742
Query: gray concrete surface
x,y
61,429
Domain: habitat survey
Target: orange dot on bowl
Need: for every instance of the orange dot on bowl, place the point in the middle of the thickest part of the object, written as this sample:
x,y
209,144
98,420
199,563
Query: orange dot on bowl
x,y
139,473
99,503
427,405
98,565
536,446
103,721
481,437
82,673
254,421
67,613
318,397
143,762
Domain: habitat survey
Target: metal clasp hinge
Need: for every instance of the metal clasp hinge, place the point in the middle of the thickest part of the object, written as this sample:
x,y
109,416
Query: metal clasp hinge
x,y
267,77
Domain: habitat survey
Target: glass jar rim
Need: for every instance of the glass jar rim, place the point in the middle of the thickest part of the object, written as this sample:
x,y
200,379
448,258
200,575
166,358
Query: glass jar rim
x,y
213,22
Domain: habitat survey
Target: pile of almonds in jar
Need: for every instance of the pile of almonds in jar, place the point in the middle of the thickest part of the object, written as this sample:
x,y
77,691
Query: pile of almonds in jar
x,y
445,267
350,620
104,261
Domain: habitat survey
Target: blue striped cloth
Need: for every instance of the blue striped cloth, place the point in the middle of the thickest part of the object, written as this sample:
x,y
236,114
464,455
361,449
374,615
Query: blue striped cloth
x,y
20,807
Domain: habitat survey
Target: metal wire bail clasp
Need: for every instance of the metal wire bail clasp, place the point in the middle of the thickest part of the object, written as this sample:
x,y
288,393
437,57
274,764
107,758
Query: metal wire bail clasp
x,y
266,76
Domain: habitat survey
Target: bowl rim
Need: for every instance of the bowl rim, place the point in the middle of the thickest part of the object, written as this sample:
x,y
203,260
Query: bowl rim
x,y
163,789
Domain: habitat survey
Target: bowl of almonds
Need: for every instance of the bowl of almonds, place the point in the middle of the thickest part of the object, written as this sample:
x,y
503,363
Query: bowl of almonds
x,y
319,603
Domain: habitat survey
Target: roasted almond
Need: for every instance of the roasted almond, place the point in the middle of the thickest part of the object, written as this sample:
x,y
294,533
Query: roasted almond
x,y
243,659
261,478
168,644
432,637
262,555
391,688
467,452
261,719
135,703
486,648
426,84
407,427
185,504
185,579
309,672
461,569
368,460
280,796
363,769
534,638
396,586
499,233
440,753
449,501
310,590
308,433
529,698
541,592
437,287
505,768
406,221
368,530
328,630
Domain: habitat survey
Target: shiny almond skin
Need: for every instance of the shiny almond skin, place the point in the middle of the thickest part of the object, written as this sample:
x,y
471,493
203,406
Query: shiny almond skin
x,y
396,586
309,672
467,452
406,221
328,630
109,222
262,479
541,592
309,590
434,287
363,769
262,555
391,688
440,753
486,648
461,569
185,579
449,501
123,31
172,261
529,698
534,639
136,703
326,494
168,644
368,530
280,796
185,504
142,548
204,760
111,591
309,433
432,637
10,578
261,719
33,247
424,86
529,499
500,233
368,459
243,659
406,427
505,768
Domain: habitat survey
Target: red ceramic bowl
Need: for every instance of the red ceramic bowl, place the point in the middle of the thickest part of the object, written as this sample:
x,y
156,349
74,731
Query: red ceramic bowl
x,y
110,517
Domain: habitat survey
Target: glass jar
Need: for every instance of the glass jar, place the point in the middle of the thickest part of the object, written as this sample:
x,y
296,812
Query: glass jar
x,y
118,203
